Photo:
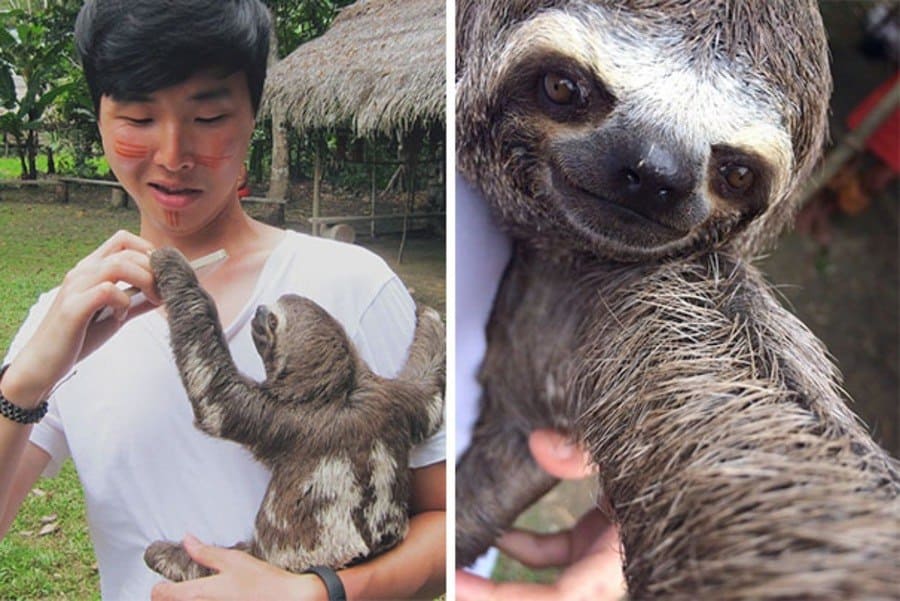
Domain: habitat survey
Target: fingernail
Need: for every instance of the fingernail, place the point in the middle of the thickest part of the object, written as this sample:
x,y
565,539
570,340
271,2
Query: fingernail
x,y
564,449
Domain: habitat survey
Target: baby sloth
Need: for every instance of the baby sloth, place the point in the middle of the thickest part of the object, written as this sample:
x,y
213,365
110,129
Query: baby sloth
x,y
639,153
335,436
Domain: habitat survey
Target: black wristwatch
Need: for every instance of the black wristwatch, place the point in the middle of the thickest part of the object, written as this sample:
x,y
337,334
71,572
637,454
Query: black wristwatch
x,y
18,414
333,584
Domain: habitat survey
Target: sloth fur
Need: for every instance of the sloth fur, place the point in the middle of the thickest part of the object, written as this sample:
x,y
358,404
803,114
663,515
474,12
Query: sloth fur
x,y
639,152
336,436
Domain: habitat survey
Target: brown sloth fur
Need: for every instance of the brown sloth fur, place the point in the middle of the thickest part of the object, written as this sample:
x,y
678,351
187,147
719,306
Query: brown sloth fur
x,y
336,436
729,457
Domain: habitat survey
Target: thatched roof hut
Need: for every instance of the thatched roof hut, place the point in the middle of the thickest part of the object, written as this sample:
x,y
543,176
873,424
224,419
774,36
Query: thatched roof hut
x,y
380,68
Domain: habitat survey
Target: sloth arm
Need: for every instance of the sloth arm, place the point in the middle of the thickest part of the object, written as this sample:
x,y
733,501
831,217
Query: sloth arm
x,y
501,479
713,394
226,404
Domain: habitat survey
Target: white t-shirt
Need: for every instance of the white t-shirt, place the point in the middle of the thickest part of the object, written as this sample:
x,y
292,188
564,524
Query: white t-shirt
x,y
125,420
482,252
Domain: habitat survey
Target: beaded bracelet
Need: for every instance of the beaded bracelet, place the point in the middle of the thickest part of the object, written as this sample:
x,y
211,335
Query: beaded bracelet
x,y
18,414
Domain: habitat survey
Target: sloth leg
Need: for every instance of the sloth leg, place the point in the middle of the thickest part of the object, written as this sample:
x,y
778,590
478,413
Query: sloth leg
x,y
425,371
425,361
496,479
172,561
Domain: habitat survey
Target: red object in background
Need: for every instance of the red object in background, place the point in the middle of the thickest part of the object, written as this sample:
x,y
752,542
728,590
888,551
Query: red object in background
x,y
885,141
244,191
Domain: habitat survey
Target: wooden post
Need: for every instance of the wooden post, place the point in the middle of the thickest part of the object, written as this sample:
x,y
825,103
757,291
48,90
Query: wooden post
x,y
317,184
118,198
411,147
62,191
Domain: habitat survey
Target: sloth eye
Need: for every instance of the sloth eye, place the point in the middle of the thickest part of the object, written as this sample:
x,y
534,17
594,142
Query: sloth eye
x,y
739,178
272,322
559,88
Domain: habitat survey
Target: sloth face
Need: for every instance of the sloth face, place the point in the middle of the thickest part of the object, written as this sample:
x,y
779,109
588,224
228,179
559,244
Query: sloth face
x,y
303,348
604,127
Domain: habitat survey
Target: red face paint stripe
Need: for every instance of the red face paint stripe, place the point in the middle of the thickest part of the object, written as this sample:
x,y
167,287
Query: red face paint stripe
x,y
173,219
128,150
211,161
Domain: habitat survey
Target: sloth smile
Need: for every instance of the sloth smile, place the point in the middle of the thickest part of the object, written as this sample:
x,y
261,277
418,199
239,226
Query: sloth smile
x,y
609,218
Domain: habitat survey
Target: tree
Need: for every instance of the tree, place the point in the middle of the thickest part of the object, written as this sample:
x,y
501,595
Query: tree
x,y
33,46
295,23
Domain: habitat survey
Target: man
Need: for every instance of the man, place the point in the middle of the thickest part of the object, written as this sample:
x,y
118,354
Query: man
x,y
176,87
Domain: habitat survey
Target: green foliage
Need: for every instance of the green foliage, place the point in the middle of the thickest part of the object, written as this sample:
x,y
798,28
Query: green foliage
x,y
298,22
66,163
35,45
10,168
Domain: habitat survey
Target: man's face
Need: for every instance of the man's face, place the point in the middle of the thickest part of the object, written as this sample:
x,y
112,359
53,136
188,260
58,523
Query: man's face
x,y
179,151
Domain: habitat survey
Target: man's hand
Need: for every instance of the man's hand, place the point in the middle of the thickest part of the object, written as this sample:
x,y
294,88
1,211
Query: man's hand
x,y
590,550
68,333
240,576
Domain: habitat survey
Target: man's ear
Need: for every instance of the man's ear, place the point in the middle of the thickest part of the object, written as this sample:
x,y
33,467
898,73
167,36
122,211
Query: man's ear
x,y
559,456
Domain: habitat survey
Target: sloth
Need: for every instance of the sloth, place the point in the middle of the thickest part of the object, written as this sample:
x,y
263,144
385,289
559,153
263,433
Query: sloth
x,y
335,435
640,154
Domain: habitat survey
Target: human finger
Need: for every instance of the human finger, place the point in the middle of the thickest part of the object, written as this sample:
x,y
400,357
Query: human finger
x,y
558,455
209,556
593,531
131,267
598,575
123,240
105,294
537,550
189,590
470,587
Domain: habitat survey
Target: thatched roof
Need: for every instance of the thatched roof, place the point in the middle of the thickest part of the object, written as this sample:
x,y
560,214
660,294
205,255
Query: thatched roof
x,y
379,68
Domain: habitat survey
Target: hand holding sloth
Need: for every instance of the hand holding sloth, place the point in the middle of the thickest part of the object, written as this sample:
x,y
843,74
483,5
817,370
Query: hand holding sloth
x,y
588,554
335,435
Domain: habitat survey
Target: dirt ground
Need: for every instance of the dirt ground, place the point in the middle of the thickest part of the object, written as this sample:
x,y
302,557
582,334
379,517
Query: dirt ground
x,y
423,268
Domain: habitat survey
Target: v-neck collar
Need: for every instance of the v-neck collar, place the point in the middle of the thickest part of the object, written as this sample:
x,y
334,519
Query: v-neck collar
x,y
159,327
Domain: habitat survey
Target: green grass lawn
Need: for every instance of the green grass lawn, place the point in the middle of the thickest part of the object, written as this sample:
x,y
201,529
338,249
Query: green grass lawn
x,y
39,243
10,168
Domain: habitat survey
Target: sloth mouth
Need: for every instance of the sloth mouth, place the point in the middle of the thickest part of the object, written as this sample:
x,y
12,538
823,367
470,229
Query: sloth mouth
x,y
259,330
605,217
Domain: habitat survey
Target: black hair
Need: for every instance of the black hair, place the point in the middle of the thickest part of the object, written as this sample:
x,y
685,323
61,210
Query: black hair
x,y
130,48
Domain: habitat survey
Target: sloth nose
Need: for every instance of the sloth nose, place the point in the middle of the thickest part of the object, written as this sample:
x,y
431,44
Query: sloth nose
x,y
651,175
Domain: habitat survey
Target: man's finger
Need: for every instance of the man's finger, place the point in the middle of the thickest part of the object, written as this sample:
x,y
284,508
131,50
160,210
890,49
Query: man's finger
x,y
170,591
559,456
470,587
537,550
206,555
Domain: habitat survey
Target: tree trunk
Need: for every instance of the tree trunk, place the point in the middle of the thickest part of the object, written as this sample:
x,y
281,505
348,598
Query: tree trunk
x,y
51,165
279,175
31,148
412,145
317,187
23,162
